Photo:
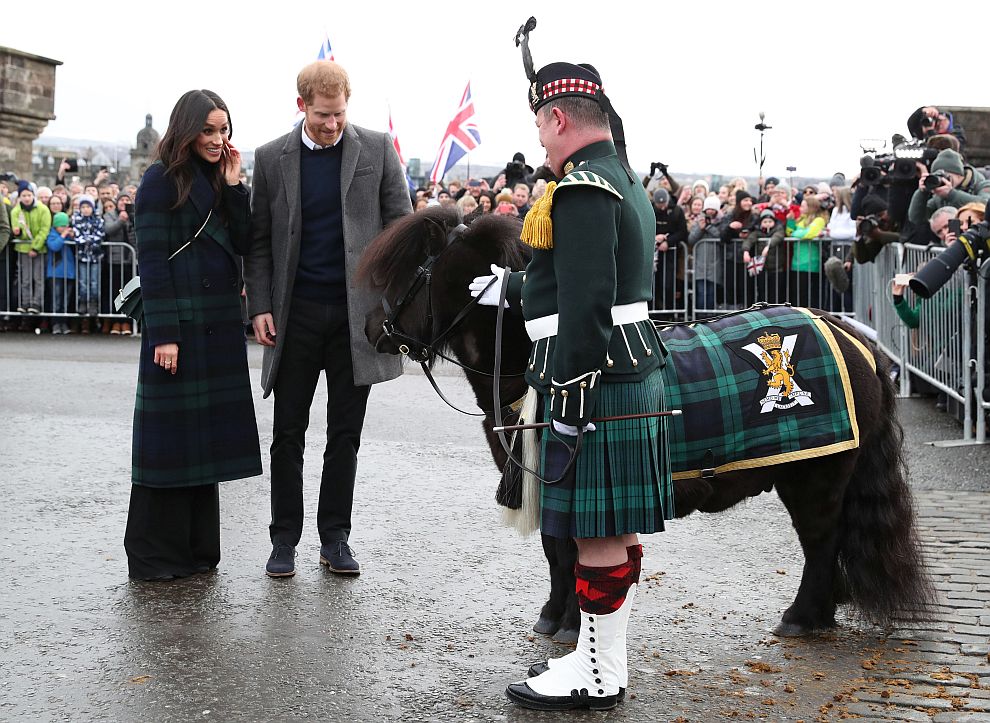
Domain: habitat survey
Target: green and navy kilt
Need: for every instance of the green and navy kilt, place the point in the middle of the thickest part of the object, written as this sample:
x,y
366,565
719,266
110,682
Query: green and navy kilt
x,y
620,482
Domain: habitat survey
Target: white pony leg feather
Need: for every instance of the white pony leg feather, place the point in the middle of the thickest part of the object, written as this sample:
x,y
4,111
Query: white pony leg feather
x,y
526,519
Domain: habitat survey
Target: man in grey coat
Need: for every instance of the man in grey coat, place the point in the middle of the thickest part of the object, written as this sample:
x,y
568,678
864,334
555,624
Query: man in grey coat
x,y
321,193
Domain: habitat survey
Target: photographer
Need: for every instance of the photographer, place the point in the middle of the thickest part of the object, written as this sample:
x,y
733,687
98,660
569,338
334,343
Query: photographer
x,y
665,180
942,227
929,121
950,183
516,171
873,230
671,233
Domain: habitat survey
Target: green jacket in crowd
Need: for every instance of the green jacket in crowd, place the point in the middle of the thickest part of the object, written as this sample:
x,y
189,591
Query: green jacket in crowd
x,y
34,224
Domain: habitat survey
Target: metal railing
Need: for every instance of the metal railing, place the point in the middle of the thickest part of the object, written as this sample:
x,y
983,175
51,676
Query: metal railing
x,y
59,284
792,272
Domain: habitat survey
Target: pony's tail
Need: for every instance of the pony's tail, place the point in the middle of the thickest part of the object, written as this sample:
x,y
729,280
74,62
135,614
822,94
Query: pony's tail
x,y
880,559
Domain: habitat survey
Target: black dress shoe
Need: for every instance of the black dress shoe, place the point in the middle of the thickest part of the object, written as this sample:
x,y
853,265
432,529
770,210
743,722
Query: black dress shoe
x,y
540,668
522,694
339,558
282,562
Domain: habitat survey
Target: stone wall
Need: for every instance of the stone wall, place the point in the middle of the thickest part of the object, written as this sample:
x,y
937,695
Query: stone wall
x,y
976,124
27,103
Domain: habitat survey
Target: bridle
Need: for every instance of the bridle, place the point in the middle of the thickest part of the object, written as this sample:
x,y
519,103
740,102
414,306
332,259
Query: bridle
x,y
416,349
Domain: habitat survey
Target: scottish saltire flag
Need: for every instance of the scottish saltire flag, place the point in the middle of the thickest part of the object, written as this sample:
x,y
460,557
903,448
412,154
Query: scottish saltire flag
x,y
398,151
461,137
326,52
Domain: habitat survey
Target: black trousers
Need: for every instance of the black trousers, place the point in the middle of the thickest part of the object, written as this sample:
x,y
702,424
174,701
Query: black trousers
x,y
317,340
172,531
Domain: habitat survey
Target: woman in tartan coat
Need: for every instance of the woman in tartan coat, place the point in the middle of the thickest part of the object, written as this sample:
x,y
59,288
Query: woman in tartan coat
x,y
194,423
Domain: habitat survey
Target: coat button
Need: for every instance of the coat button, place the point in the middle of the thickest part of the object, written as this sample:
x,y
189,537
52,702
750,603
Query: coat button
x,y
206,283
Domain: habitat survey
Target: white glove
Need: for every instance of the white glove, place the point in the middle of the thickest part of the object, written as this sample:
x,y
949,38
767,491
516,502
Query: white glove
x,y
489,296
569,430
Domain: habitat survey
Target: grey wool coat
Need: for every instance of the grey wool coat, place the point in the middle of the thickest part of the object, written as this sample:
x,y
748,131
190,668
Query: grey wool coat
x,y
373,194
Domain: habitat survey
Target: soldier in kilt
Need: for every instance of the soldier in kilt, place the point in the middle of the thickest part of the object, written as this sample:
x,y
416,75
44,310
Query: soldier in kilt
x,y
595,353
194,423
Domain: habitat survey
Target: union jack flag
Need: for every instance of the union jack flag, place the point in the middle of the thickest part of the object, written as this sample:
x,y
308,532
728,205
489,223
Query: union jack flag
x,y
326,52
461,137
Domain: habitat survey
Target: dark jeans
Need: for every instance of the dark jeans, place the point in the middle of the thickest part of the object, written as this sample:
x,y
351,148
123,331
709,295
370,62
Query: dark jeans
x,y
317,339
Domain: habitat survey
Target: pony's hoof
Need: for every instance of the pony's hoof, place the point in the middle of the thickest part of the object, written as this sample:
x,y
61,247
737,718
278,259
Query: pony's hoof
x,y
794,630
546,626
566,636
790,630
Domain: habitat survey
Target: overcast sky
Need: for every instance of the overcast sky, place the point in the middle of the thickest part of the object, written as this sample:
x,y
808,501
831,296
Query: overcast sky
x,y
688,79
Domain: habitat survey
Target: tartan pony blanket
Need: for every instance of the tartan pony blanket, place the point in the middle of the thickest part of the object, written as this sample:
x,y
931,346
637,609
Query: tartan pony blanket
x,y
760,387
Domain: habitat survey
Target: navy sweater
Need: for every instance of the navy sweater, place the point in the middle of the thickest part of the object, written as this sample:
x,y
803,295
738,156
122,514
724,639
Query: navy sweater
x,y
321,273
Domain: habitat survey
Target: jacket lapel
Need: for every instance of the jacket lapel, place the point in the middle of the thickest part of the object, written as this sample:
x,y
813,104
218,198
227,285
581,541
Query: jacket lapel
x,y
348,162
289,166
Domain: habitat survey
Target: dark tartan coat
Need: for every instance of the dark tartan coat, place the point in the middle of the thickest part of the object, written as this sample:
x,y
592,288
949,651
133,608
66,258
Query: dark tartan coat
x,y
198,426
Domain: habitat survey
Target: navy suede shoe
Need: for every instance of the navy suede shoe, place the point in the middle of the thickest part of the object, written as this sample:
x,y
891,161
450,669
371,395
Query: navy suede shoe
x,y
282,563
339,558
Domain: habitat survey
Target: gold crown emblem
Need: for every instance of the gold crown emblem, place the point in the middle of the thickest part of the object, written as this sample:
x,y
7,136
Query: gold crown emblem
x,y
769,341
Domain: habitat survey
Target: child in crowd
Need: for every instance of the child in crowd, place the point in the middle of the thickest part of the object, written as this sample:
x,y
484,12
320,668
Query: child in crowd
x,y
89,237
30,223
61,268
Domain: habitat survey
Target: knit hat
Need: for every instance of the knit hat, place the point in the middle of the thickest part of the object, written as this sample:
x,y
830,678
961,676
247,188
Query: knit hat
x,y
24,186
59,220
712,202
83,198
772,179
661,196
741,194
701,183
950,162
838,180
873,205
767,213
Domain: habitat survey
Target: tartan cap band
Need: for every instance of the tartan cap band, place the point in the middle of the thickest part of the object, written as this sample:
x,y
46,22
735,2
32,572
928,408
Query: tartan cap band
x,y
558,80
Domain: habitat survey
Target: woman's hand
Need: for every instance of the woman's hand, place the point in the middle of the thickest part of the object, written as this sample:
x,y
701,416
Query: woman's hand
x,y
167,357
231,160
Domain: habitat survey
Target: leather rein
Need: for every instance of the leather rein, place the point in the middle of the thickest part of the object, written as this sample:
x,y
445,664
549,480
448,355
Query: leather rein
x,y
421,351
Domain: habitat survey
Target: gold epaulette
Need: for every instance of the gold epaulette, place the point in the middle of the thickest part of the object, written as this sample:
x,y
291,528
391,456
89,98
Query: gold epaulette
x,y
537,228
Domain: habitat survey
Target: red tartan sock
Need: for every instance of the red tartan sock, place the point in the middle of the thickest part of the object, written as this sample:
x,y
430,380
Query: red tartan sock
x,y
602,590
636,558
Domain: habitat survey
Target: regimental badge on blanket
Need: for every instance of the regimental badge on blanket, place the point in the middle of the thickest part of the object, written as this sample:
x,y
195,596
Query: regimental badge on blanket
x,y
775,351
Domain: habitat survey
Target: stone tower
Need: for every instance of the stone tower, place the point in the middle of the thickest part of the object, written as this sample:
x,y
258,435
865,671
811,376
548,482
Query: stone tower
x,y
144,151
27,103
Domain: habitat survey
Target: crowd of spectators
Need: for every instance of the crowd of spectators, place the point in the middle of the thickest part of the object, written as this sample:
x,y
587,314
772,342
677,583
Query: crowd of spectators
x,y
71,248
72,242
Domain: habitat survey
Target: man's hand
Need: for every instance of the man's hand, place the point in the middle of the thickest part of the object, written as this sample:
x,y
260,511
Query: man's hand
x,y
123,216
264,329
489,287
945,189
101,176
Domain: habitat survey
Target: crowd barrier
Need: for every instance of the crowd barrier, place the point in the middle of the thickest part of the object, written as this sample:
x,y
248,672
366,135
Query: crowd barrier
x,y
67,288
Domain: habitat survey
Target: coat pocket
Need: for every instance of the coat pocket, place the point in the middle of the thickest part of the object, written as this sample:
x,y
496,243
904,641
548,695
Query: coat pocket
x,y
184,309
365,171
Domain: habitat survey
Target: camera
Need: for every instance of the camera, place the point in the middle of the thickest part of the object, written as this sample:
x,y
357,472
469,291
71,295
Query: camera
x,y
129,208
935,180
658,166
867,225
515,168
971,245
73,164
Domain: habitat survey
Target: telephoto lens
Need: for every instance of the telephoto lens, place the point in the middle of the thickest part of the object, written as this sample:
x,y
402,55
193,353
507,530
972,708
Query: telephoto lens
x,y
934,274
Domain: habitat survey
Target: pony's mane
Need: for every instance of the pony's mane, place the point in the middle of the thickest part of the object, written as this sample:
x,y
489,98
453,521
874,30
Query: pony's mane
x,y
406,242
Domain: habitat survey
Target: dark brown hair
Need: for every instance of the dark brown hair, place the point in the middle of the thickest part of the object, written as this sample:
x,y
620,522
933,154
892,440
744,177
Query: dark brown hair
x,y
184,126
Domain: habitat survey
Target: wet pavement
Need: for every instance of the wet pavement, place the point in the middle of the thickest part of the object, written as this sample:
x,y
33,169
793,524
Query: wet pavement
x,y
439,620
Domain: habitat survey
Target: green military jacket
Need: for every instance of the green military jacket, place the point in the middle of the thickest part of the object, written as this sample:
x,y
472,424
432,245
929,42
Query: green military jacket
x,y
600,266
